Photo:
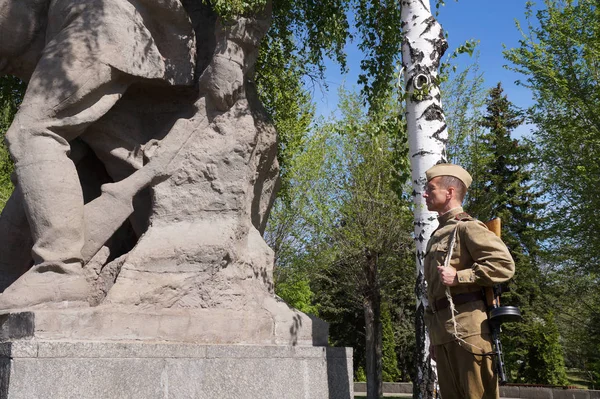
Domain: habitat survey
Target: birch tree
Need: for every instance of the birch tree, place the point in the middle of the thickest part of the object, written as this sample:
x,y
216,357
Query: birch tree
x,y
422,48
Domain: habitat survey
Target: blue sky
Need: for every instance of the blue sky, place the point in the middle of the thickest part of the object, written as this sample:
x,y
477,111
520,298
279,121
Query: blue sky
x,y
491,22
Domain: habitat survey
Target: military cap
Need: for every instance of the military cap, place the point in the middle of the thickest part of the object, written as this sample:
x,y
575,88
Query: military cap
x,y
448,169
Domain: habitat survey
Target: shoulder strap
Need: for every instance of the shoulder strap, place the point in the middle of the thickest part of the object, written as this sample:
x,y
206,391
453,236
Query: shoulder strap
x,y
463,216
451,247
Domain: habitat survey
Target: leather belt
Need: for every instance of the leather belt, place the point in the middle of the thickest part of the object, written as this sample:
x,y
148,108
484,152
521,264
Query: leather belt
x,y
458,299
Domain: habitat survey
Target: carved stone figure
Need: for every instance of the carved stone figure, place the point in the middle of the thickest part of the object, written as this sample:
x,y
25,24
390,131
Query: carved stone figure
x,y
79,58
145,169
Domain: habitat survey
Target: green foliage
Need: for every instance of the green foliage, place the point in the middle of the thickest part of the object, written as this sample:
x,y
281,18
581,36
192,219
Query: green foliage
x,y
449,66
282,93
559,56
463,97
575,302
230,9
503,187
11,94
391,372
295,291
359,375
346,224
308,32
378,24
545,349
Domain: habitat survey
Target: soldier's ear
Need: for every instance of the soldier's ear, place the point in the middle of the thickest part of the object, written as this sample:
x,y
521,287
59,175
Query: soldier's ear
x,y
451,192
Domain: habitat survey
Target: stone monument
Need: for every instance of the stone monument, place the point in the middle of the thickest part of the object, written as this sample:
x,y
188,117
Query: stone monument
x,y
132,262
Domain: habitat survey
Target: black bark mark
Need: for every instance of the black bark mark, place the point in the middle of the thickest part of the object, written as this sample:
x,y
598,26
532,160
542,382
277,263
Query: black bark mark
x,y
422,152
431,22
419,223
440,45
433,113
444,156
437,133
416,55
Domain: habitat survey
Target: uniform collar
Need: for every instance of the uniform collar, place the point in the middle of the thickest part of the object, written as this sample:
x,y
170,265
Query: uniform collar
x,y
444,218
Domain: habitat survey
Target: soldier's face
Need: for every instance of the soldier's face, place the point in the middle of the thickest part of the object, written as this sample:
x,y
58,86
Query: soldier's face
x,y
436,195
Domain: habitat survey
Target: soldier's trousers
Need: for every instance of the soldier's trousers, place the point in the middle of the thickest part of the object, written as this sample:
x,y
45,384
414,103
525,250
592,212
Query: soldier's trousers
x,y
463,374
58,106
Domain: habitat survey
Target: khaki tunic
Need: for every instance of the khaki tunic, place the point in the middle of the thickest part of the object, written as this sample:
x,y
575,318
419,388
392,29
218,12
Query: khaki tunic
x,y
480,258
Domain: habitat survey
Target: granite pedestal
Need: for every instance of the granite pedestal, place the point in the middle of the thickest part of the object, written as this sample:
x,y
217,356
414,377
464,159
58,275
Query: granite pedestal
x,y
32,367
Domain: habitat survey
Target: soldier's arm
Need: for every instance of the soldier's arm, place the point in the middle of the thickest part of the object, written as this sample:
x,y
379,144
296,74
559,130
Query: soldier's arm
x,y
492,262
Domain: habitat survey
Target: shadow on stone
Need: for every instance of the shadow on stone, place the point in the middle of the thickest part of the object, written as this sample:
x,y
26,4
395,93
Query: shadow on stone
x,y
16,326
5,374
338,370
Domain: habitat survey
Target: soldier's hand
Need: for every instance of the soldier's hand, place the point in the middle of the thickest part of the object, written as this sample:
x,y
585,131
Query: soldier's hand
x,y
448,275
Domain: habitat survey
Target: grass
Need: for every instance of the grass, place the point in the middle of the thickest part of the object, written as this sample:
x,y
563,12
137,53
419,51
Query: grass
x,y
580,379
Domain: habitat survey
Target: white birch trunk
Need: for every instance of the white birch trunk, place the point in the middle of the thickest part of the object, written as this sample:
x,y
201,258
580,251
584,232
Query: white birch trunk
x,y
422,48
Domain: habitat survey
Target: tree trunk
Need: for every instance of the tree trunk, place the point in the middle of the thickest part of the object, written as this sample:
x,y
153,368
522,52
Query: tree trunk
x,y
373,330
422,48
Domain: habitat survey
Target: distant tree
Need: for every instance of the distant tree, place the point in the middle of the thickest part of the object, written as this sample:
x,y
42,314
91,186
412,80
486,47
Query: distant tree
x,y
503,187
464,95
547,351
371,232
575,302
347,229
558,56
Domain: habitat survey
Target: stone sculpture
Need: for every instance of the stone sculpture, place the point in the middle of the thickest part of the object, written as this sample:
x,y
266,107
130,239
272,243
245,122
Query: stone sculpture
x,y
145,170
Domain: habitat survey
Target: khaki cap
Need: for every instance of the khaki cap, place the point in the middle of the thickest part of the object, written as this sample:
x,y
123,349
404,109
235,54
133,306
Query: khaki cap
x,y
448,169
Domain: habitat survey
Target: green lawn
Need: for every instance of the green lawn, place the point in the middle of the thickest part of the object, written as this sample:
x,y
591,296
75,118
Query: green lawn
x,y
580,379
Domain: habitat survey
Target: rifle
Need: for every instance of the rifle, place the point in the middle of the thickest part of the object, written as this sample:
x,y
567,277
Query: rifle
x,y
498,314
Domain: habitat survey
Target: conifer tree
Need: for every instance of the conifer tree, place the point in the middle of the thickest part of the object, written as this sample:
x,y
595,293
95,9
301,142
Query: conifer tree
x,y
503,187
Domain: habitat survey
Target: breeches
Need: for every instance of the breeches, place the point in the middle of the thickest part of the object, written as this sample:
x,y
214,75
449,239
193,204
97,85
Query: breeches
x,y
463,374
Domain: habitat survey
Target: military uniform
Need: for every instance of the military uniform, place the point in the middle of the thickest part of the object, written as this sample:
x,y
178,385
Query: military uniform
x,y
481,259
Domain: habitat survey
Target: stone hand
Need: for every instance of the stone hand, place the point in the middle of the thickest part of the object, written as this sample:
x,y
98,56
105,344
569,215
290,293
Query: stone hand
x,y
448,275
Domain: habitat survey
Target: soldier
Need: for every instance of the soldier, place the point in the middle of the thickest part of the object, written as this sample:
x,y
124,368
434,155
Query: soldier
x,y
79,58
461,345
